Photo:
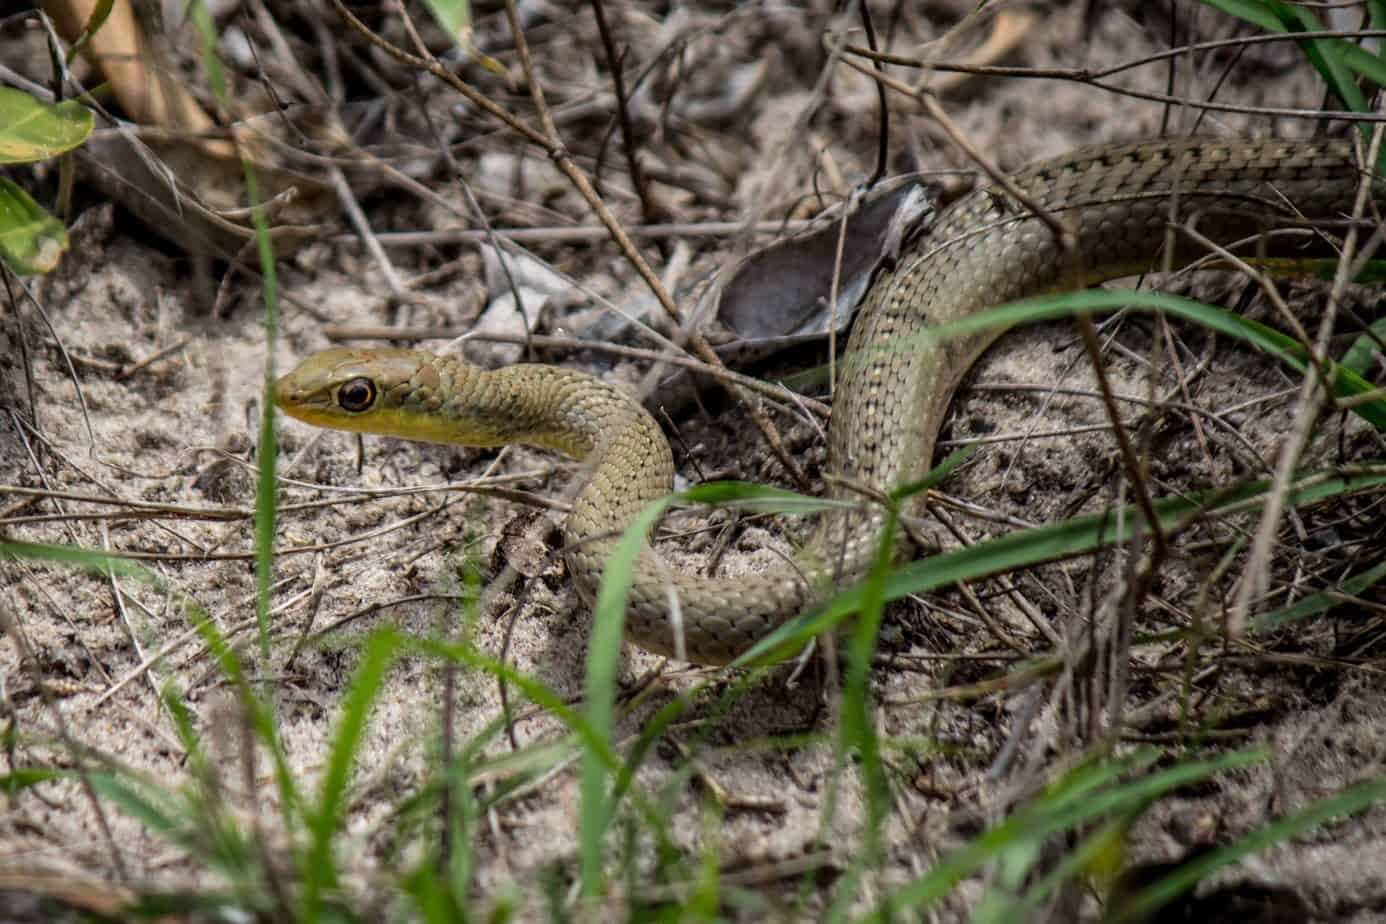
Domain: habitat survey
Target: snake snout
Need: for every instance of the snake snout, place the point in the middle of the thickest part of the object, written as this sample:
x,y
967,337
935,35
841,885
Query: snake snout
x,y
296,397
285,392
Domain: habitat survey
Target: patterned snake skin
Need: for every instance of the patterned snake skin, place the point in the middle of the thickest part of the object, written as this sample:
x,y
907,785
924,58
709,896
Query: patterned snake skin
x,y
985,250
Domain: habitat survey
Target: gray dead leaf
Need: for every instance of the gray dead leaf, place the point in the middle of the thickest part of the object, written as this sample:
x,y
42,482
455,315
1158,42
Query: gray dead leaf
x,y
780,297
785,290
504,316
521,270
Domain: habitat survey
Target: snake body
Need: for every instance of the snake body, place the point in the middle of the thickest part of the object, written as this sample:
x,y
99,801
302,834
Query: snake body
x,y
984,250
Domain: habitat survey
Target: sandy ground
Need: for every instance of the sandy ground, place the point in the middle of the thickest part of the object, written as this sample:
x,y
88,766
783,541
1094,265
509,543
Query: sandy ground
x,y
368,529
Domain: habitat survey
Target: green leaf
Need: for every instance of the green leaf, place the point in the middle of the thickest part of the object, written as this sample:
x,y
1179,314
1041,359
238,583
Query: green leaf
x,y
31,129
31,240
99,14
455,18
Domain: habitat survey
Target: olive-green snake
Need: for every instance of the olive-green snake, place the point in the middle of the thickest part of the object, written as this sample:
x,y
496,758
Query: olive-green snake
x,y
985,249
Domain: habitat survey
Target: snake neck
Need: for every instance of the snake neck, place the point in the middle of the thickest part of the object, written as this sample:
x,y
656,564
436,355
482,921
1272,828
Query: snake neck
x,y
572,413
526,403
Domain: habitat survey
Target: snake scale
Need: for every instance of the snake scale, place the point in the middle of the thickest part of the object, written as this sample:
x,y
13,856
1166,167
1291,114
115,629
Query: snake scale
x,y
985,249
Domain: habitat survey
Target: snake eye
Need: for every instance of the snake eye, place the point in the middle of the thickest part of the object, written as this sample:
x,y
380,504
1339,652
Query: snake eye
x,y
356,396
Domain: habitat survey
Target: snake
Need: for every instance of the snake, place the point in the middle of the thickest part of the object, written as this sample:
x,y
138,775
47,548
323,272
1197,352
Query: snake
x,y
1124,206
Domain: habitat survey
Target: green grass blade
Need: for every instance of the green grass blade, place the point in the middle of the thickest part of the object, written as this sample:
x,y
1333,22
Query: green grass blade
x,y
856,728
23,778
454,16
1327,57
936,476
1284,18
1253,11
1367,64
1027,822
259,714
538,693
603,655
220,845
102,564
1334,58
1344,382
327,817
161,819
1354,586
100,12
1087,793
650,733
1348,802
266,498
266,507
1039,544
217,835
758,497
1366,348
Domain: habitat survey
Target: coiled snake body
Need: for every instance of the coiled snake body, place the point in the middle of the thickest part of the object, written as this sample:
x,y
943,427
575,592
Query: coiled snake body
x,y
985,250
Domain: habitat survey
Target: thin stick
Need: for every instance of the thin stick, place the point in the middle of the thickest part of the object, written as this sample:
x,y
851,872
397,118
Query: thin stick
x,y
618,84
1256,578
584,233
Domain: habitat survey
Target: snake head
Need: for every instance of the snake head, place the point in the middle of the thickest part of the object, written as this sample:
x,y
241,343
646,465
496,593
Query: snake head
x,y
388,392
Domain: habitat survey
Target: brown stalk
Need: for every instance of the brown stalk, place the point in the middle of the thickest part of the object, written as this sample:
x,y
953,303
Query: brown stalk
x,y
618,86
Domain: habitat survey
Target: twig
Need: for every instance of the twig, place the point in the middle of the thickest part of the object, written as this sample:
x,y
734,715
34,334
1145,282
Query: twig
x,y
1256,578
363,229
124,372
618,84
883,135
930,103
1129,459
583,233
1095,78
